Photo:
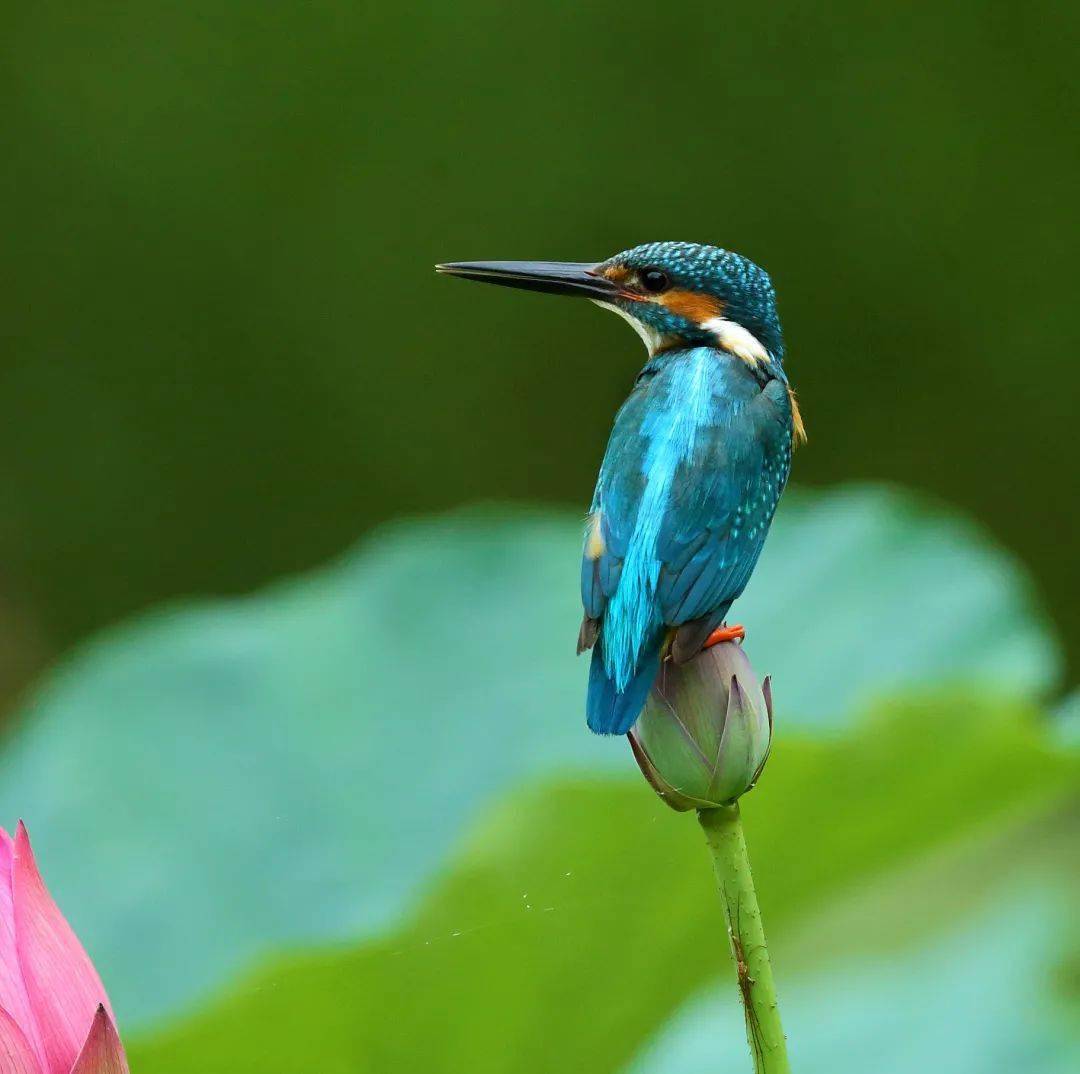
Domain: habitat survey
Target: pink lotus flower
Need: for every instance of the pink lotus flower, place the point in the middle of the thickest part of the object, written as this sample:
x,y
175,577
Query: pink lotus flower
x,y
54,1015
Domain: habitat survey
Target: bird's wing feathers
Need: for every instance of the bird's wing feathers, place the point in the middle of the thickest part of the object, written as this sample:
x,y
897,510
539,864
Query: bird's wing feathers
x,y
717,510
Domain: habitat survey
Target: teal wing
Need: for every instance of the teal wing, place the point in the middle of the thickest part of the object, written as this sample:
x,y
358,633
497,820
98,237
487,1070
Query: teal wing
x,y
714,518
720,509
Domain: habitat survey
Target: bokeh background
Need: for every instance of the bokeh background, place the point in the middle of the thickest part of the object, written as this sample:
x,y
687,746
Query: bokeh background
x,y
263,694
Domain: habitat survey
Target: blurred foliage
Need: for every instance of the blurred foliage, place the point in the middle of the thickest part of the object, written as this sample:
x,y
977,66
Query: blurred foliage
x,y
579,916
212,783
991,989
226,354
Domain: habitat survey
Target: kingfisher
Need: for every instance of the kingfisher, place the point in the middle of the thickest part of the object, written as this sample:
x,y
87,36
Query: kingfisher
x,y
696,462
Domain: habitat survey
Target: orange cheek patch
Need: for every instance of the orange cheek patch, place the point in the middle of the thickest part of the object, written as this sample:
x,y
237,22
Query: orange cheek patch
x,y
616,273
692,305
621,275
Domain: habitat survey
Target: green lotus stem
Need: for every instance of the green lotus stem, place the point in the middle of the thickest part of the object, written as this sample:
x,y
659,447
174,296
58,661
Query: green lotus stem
x,y
757,990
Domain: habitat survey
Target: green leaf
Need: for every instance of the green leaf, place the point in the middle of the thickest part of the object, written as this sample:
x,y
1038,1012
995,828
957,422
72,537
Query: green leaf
x,y
581,915
214,782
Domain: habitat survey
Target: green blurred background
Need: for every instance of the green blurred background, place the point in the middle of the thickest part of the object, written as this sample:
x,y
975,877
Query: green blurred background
x,y
225,357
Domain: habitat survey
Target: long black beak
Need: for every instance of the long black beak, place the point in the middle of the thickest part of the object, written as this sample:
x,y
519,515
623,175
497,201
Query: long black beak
x,y
551,277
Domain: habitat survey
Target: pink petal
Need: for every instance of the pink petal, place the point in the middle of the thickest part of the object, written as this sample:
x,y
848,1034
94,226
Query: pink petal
x,y
15,1054
13,998
102,1053
63,987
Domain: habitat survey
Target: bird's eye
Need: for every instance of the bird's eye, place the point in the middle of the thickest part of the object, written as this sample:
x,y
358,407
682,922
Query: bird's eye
x,y
654,280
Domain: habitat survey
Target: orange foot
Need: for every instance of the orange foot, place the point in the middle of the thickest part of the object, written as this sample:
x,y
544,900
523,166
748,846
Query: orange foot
x,y
725,633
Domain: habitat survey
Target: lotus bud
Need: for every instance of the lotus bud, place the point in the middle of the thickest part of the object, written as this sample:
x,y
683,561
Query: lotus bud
x,y
54,1015
704,734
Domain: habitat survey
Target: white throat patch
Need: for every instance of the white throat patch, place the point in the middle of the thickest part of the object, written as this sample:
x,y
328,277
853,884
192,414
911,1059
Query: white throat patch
x,y
736,340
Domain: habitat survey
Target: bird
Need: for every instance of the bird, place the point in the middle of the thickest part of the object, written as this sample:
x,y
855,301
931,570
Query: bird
x,y
697,459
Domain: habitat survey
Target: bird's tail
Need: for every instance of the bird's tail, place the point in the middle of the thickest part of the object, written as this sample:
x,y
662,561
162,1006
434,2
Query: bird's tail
x,y
609,710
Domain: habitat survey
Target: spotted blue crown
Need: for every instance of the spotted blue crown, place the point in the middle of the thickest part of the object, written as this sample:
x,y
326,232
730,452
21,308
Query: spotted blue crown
x,y
744,288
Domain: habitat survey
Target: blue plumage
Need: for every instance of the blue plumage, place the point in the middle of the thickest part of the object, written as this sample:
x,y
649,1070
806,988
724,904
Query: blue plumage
x,y
689,483
696,462
695,465
612,711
